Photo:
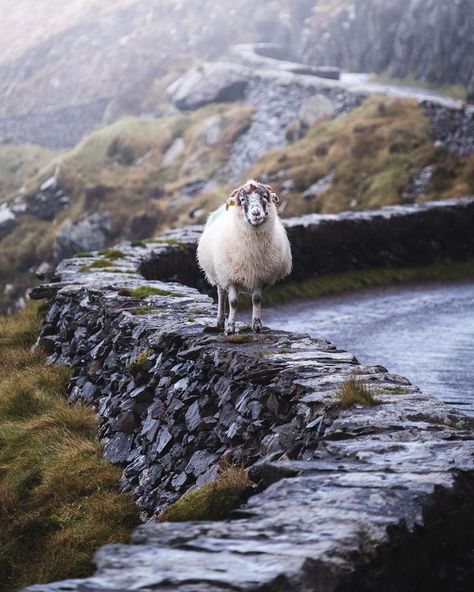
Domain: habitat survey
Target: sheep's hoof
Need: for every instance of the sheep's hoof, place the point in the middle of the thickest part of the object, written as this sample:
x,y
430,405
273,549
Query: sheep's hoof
x,y
230,328
220,323
257,325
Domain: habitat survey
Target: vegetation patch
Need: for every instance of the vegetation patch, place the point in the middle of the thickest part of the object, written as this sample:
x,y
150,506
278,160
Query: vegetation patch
x,y
396,390
213,501
82,254
98,264
354,392
240,339
60,498
365,278
138,243
144,291
140,361
142,311
453,91
113,253
369,158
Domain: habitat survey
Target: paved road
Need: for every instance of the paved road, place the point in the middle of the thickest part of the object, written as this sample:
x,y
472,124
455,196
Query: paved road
x,y
424,332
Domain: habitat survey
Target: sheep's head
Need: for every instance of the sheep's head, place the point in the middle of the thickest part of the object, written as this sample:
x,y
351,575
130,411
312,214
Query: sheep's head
x,y
255,200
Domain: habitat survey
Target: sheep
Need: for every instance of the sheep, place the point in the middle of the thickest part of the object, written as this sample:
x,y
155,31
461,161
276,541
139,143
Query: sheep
x,y
244,248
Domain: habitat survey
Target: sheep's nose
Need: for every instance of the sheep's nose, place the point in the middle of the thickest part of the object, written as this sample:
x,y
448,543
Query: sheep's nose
x,y
256,212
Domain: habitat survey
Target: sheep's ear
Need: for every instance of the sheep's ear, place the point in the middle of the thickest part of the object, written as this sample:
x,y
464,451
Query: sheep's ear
x,y
229,202
274,197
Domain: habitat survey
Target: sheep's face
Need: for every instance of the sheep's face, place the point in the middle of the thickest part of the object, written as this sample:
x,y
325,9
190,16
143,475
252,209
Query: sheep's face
x,y
255,201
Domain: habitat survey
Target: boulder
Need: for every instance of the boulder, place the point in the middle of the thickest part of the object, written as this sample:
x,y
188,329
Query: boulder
x,y
48,201
216,82
7,220
89,234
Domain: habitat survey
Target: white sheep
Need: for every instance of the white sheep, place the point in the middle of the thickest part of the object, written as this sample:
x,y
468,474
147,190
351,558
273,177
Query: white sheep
x,y
244,248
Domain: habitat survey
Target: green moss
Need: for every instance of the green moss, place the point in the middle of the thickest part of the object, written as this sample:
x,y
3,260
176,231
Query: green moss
x,y
113,253
82,254
137,243
142,311
144,291
240,338
97,264
60,497
396,390
354,392
199,311
213,501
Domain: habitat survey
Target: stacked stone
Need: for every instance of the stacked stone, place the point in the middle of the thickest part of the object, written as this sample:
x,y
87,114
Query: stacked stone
x,y
366,498
175,399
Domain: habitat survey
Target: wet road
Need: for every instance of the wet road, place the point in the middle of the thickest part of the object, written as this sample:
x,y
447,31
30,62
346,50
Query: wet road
x,y
424,332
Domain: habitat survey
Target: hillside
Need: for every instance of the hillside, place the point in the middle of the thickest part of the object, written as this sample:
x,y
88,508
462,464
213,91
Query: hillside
x,y
73,67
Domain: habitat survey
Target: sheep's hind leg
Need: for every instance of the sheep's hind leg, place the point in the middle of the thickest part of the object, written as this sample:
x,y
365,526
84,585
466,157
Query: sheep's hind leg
x,y
257,310
220,308
233,304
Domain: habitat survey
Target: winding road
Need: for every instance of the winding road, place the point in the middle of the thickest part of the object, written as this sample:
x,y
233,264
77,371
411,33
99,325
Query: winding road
x,y
424,332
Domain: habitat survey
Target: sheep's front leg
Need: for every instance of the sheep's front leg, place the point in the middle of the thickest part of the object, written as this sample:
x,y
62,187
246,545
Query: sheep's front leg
x,y
220,308
257,310
233,304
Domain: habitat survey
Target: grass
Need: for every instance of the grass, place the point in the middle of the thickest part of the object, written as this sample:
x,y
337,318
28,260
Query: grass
x,y
374,152
138,243
59,496
18,162
83,254
142,311
117,168
354,392
145,291
98,264
240,339
365,278
112,253
452,91
213,501
141,359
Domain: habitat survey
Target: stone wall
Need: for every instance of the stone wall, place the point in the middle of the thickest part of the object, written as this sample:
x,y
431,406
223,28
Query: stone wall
x,y
394,236
365,498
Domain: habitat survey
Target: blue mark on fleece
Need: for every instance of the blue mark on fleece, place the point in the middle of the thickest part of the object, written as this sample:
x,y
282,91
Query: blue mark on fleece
x,y
213,216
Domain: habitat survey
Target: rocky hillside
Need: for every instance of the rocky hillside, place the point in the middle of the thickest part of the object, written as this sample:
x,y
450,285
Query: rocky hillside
x,y
429,39
325,147
67,69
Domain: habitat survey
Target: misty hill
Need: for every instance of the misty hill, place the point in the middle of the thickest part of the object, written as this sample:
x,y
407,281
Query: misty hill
x,y
106,60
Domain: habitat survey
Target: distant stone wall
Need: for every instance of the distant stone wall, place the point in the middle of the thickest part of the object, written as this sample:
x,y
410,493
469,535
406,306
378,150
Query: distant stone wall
x,y
365,498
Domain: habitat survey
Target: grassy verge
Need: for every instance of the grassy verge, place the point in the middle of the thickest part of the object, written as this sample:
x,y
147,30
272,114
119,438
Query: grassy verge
x,y
452,91
59,497
366,278
213,501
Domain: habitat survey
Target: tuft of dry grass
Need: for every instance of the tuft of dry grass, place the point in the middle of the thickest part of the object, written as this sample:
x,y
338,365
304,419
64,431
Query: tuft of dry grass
x,y
213,501
353,392
59,496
